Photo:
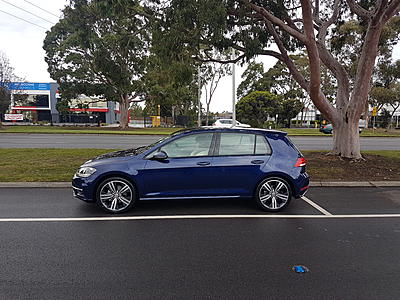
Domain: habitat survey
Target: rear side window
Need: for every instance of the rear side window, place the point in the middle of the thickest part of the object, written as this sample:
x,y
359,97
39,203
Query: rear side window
x,y
262,146
232,143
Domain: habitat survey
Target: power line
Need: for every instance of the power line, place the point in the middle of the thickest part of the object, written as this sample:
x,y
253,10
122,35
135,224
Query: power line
x,y
41,8
27,11
22,19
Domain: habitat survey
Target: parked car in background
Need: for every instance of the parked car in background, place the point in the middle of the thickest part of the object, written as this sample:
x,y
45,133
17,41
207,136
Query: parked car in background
x,y
228,123
328,128
202,163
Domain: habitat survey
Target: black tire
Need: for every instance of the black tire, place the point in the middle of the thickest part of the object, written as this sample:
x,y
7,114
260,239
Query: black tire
x,y
271,193
110,198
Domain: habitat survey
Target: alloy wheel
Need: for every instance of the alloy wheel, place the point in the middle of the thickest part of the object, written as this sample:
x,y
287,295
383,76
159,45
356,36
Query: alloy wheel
x,y
274,194
116,195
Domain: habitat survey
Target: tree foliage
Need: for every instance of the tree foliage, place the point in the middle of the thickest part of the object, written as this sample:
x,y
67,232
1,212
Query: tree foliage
x,y
256,107
386,88
99,48
6,76
346,36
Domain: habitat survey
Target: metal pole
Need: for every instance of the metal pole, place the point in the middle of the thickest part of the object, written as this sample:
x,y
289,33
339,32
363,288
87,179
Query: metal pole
x,y
233,91
199,97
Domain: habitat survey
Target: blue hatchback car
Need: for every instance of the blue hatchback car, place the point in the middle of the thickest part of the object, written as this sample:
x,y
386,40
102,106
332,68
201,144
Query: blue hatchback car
x,y
198,163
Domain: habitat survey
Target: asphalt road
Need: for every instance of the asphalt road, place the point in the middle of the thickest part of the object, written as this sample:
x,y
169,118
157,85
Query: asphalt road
x,y
131,141
207,258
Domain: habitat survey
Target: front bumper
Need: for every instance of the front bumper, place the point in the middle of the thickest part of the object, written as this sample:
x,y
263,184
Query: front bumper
x,y
82,189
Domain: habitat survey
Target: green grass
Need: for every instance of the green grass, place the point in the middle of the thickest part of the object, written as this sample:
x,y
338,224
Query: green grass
x,y
386,153
43,164
86,130
365,133
29,165
166,131
391,154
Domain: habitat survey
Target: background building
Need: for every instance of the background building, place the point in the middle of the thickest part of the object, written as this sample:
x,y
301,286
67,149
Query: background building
x,y
38,102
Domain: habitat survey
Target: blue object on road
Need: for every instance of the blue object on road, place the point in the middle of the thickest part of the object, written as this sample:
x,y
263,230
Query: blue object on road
x,y
300,269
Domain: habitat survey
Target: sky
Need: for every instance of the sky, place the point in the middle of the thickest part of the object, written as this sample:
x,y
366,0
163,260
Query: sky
x,y
22,43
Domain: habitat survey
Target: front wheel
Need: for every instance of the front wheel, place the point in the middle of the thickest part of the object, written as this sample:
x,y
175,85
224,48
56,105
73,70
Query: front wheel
x,y
116,195
273,194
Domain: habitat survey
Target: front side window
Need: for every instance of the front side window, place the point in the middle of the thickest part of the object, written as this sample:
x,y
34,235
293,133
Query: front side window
x,y
232,143
189,146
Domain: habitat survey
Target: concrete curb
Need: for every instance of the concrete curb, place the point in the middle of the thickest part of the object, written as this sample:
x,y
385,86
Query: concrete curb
x,y
313,184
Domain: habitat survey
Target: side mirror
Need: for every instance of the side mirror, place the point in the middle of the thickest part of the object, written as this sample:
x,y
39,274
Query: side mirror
x,y
161,155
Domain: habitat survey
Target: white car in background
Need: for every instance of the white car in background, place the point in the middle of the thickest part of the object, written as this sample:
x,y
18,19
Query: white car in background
x,y
228,123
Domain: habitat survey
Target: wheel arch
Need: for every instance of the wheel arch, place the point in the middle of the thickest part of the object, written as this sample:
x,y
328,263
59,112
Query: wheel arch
x,y
284,176
114,174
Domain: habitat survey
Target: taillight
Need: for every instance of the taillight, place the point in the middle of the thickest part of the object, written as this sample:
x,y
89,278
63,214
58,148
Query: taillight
x,y
301,162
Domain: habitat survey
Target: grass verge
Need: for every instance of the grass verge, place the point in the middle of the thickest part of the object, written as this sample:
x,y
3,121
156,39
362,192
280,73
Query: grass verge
x,y
60,164
86,130
166,131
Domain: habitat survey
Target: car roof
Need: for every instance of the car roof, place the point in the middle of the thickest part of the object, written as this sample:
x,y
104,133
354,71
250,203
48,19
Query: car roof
x,y
231,129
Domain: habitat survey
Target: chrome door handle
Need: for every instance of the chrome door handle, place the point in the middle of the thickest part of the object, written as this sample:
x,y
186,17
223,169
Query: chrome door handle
x,y
203,163
257,162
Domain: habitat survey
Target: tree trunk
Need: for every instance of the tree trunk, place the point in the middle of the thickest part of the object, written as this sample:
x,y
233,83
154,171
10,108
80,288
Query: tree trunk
x,y
346,140
124,110
207,112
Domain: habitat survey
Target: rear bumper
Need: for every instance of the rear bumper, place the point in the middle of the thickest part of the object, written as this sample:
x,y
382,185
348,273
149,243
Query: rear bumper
x,y
302,185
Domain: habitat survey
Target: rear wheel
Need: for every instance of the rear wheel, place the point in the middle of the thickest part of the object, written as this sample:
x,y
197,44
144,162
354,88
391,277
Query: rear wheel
x,y
273,194
116,195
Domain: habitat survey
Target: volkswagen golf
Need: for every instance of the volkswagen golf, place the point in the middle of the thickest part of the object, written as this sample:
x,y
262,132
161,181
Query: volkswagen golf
x,y
201,163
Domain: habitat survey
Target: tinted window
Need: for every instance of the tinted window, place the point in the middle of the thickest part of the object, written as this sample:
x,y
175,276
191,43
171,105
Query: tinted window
x,y
191,145
262,146
243,144
236,144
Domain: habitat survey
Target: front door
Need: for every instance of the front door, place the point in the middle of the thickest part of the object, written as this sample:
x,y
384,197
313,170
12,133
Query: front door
x,y
187,172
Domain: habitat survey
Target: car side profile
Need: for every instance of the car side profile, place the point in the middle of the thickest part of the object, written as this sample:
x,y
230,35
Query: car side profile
x,y
197,164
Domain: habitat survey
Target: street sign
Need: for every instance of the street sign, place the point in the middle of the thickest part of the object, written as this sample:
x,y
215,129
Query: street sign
x,y
374,111
13,117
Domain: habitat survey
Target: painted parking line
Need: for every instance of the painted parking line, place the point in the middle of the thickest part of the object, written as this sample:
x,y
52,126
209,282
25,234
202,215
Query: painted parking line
x,y
194,217
316,206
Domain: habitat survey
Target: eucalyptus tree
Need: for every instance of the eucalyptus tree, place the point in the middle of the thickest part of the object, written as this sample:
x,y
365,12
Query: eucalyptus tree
x,y
211,73
100,48
318,27
386,88
6,76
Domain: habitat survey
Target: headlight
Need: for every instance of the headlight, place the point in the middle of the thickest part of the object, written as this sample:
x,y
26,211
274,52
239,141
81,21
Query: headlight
x,y
85,172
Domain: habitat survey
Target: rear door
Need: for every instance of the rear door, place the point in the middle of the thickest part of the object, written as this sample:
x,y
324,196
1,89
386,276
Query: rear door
x,y
238,162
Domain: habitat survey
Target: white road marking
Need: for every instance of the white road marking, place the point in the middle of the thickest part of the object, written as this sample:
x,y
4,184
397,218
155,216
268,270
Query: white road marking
x,y
316,206
178,217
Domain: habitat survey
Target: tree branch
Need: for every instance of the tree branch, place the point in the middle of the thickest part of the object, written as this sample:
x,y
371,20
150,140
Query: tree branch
x,y
358,10
284,57
392,9
270,17
315,92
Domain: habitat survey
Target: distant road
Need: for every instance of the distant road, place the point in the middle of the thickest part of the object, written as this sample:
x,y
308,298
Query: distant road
x,y
131,141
